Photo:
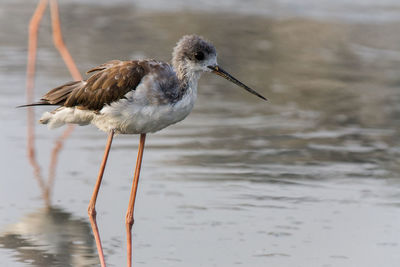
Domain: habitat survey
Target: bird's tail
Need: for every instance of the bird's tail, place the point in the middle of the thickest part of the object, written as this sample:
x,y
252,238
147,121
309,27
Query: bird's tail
x,y
56,96
41,103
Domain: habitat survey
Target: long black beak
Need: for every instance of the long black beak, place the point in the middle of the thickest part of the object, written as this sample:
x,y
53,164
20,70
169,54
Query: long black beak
x,y
219,71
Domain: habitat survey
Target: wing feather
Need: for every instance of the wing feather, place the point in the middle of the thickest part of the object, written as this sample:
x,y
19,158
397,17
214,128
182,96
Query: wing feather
x,y
110,82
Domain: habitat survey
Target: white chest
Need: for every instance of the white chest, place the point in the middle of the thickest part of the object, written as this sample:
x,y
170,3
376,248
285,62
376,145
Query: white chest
x,y
134,115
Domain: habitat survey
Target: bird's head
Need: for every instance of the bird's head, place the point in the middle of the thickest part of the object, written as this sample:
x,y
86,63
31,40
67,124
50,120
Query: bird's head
x,y
193,55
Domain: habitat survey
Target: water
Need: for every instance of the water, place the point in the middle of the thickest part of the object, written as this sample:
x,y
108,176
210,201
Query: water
x,y
310,178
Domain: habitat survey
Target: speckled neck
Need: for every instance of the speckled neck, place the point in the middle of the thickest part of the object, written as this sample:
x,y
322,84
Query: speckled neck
x,y
186,76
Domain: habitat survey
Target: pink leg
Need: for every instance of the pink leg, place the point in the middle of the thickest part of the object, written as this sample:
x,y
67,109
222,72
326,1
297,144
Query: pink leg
x,y
59,43
92,203
129,214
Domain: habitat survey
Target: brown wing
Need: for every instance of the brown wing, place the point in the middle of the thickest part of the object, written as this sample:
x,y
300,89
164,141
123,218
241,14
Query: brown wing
x,y
106,65
110,83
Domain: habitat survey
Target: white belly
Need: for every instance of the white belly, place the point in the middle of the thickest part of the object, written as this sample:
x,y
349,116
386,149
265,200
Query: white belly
x,y
134,117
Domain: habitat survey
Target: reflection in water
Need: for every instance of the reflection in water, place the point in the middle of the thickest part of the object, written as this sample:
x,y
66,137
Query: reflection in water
x,y
46,187
50,237
30,81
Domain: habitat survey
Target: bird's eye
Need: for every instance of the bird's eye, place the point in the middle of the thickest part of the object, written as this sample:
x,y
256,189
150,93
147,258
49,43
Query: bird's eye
x,y
199,55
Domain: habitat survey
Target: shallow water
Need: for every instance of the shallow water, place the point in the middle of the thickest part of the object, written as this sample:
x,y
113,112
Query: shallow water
x,y
310,178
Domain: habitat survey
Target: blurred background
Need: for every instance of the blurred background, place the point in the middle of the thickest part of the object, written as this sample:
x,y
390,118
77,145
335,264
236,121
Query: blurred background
x,y
310,178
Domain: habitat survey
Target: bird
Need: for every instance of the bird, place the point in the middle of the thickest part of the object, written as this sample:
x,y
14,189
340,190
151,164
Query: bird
x,y
134,97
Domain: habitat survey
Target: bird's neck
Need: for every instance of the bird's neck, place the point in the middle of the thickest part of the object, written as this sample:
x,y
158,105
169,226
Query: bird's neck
x,y
186,76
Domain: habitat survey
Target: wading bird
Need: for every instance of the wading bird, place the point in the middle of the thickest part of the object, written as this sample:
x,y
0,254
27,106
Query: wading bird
x,y
134,97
